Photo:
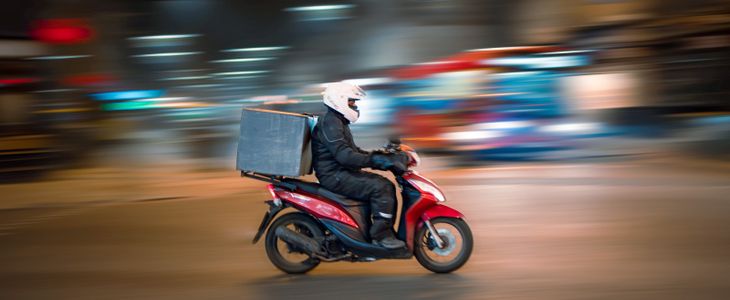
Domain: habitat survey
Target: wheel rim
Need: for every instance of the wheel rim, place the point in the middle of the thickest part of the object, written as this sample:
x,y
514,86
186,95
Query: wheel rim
x,y
450,241
453,239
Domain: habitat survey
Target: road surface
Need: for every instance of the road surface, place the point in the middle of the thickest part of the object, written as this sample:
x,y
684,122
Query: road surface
x,y
635,228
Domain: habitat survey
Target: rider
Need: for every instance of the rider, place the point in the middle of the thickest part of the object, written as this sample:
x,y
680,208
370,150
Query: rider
x,y
338,162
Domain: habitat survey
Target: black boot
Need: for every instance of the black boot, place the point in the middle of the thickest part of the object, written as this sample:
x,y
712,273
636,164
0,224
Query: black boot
x,y
382,234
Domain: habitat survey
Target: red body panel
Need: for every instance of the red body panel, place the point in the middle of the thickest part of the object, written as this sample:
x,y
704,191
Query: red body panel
x,y
425,208
414,213
317,206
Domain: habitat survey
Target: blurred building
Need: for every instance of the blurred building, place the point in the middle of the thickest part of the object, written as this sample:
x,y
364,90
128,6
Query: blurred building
x,y
180,70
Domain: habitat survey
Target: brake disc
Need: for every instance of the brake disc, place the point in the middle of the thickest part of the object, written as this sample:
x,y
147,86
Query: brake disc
x,y
450,240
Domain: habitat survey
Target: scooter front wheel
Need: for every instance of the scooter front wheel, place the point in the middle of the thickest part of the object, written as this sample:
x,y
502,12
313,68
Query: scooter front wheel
x,y
458,244
285,256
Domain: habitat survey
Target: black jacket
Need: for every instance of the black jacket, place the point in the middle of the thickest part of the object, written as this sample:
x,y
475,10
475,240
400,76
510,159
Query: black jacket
x,y
333,149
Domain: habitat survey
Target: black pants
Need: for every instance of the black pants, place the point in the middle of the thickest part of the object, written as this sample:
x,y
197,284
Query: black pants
x,y
364,186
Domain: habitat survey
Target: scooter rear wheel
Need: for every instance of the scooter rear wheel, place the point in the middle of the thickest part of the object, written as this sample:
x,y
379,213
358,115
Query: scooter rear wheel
x,y
287,257
458,245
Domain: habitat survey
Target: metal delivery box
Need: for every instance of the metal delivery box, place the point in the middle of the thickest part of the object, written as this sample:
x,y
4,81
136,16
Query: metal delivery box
x,y
274,143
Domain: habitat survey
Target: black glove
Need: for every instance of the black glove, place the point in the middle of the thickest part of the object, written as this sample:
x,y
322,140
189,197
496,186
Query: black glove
x,y
395,162
400,163
380,161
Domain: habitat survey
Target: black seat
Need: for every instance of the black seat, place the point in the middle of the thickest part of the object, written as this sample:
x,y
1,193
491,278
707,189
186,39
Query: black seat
x,y
315,188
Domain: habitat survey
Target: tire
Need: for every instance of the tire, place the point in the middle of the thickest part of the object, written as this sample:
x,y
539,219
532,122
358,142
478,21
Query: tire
x,y
425,246
274,246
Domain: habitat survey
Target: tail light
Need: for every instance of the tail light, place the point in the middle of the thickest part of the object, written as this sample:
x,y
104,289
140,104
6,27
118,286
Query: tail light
x,y
276,198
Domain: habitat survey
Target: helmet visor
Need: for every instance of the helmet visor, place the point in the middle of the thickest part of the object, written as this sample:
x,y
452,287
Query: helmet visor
x,y
352,103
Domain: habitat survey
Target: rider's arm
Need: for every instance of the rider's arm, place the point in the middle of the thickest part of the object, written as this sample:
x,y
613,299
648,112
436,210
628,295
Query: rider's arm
x,y
345,154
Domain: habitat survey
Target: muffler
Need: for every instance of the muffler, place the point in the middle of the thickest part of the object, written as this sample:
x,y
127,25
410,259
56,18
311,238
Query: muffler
x,y
300,241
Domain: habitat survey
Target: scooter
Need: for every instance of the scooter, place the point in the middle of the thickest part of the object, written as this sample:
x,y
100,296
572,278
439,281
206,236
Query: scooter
x,y
327,227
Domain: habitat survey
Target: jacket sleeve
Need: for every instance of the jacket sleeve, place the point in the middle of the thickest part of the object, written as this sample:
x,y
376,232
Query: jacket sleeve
x,y
361,150
345,154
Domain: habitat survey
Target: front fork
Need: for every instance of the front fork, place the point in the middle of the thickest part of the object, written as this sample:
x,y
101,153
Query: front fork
x,y
434,234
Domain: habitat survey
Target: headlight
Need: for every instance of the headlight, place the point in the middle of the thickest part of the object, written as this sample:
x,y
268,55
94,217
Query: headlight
x,y
428,188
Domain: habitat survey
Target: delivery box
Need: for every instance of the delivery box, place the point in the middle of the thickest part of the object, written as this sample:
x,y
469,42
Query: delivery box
x,y
274,143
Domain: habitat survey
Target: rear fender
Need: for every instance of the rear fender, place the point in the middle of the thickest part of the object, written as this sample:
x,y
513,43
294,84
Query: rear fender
x,y
270,214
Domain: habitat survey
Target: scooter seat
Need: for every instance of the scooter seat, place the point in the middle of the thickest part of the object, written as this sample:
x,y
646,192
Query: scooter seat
x,y
315,188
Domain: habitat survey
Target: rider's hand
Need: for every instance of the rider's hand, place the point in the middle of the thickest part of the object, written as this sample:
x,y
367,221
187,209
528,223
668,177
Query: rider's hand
x,y
380,161
379,151
400,163
395,162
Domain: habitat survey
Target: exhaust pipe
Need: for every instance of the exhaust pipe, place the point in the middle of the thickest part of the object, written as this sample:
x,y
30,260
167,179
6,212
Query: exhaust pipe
x,y
303,242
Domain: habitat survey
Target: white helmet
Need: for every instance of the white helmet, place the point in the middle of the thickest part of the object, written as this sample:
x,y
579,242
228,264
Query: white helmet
x,y
336,96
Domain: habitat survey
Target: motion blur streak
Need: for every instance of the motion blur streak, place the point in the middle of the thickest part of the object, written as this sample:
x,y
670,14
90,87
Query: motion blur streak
x,y
586,142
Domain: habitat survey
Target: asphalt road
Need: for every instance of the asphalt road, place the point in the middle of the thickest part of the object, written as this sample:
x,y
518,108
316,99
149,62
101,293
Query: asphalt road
x,y
649,228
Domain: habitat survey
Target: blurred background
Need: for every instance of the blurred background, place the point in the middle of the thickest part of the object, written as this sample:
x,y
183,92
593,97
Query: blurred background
x,y
613,113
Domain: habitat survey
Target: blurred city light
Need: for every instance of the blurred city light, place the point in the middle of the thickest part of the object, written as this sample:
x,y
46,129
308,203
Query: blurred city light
x,y
539,62
62,31
128,106
472,135
55,91
17,81
240,77
369,81
164,99
197,86
572,127
238,60
184,78
504,125
166,54
320,7
163,37
127,95
241,73
59,57
256,49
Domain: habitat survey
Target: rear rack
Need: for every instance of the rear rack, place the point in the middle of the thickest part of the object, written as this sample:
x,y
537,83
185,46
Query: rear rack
x,y
275,180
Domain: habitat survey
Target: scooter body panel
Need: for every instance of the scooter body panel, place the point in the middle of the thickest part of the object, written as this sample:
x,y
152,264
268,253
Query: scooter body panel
x,y
319,207
425,207
353,241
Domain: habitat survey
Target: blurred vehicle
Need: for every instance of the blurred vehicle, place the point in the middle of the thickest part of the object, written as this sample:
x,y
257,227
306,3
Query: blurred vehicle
x,y
25,147
45,124
492,103
663,67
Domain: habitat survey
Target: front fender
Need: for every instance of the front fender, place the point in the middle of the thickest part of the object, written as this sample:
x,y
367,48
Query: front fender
x,y
441,211
436,211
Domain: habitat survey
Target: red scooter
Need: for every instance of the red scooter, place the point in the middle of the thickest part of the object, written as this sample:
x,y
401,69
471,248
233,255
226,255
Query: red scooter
x,y
329,227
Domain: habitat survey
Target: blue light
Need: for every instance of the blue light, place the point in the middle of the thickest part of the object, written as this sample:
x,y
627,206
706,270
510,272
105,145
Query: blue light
x,y
534,62
127,95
